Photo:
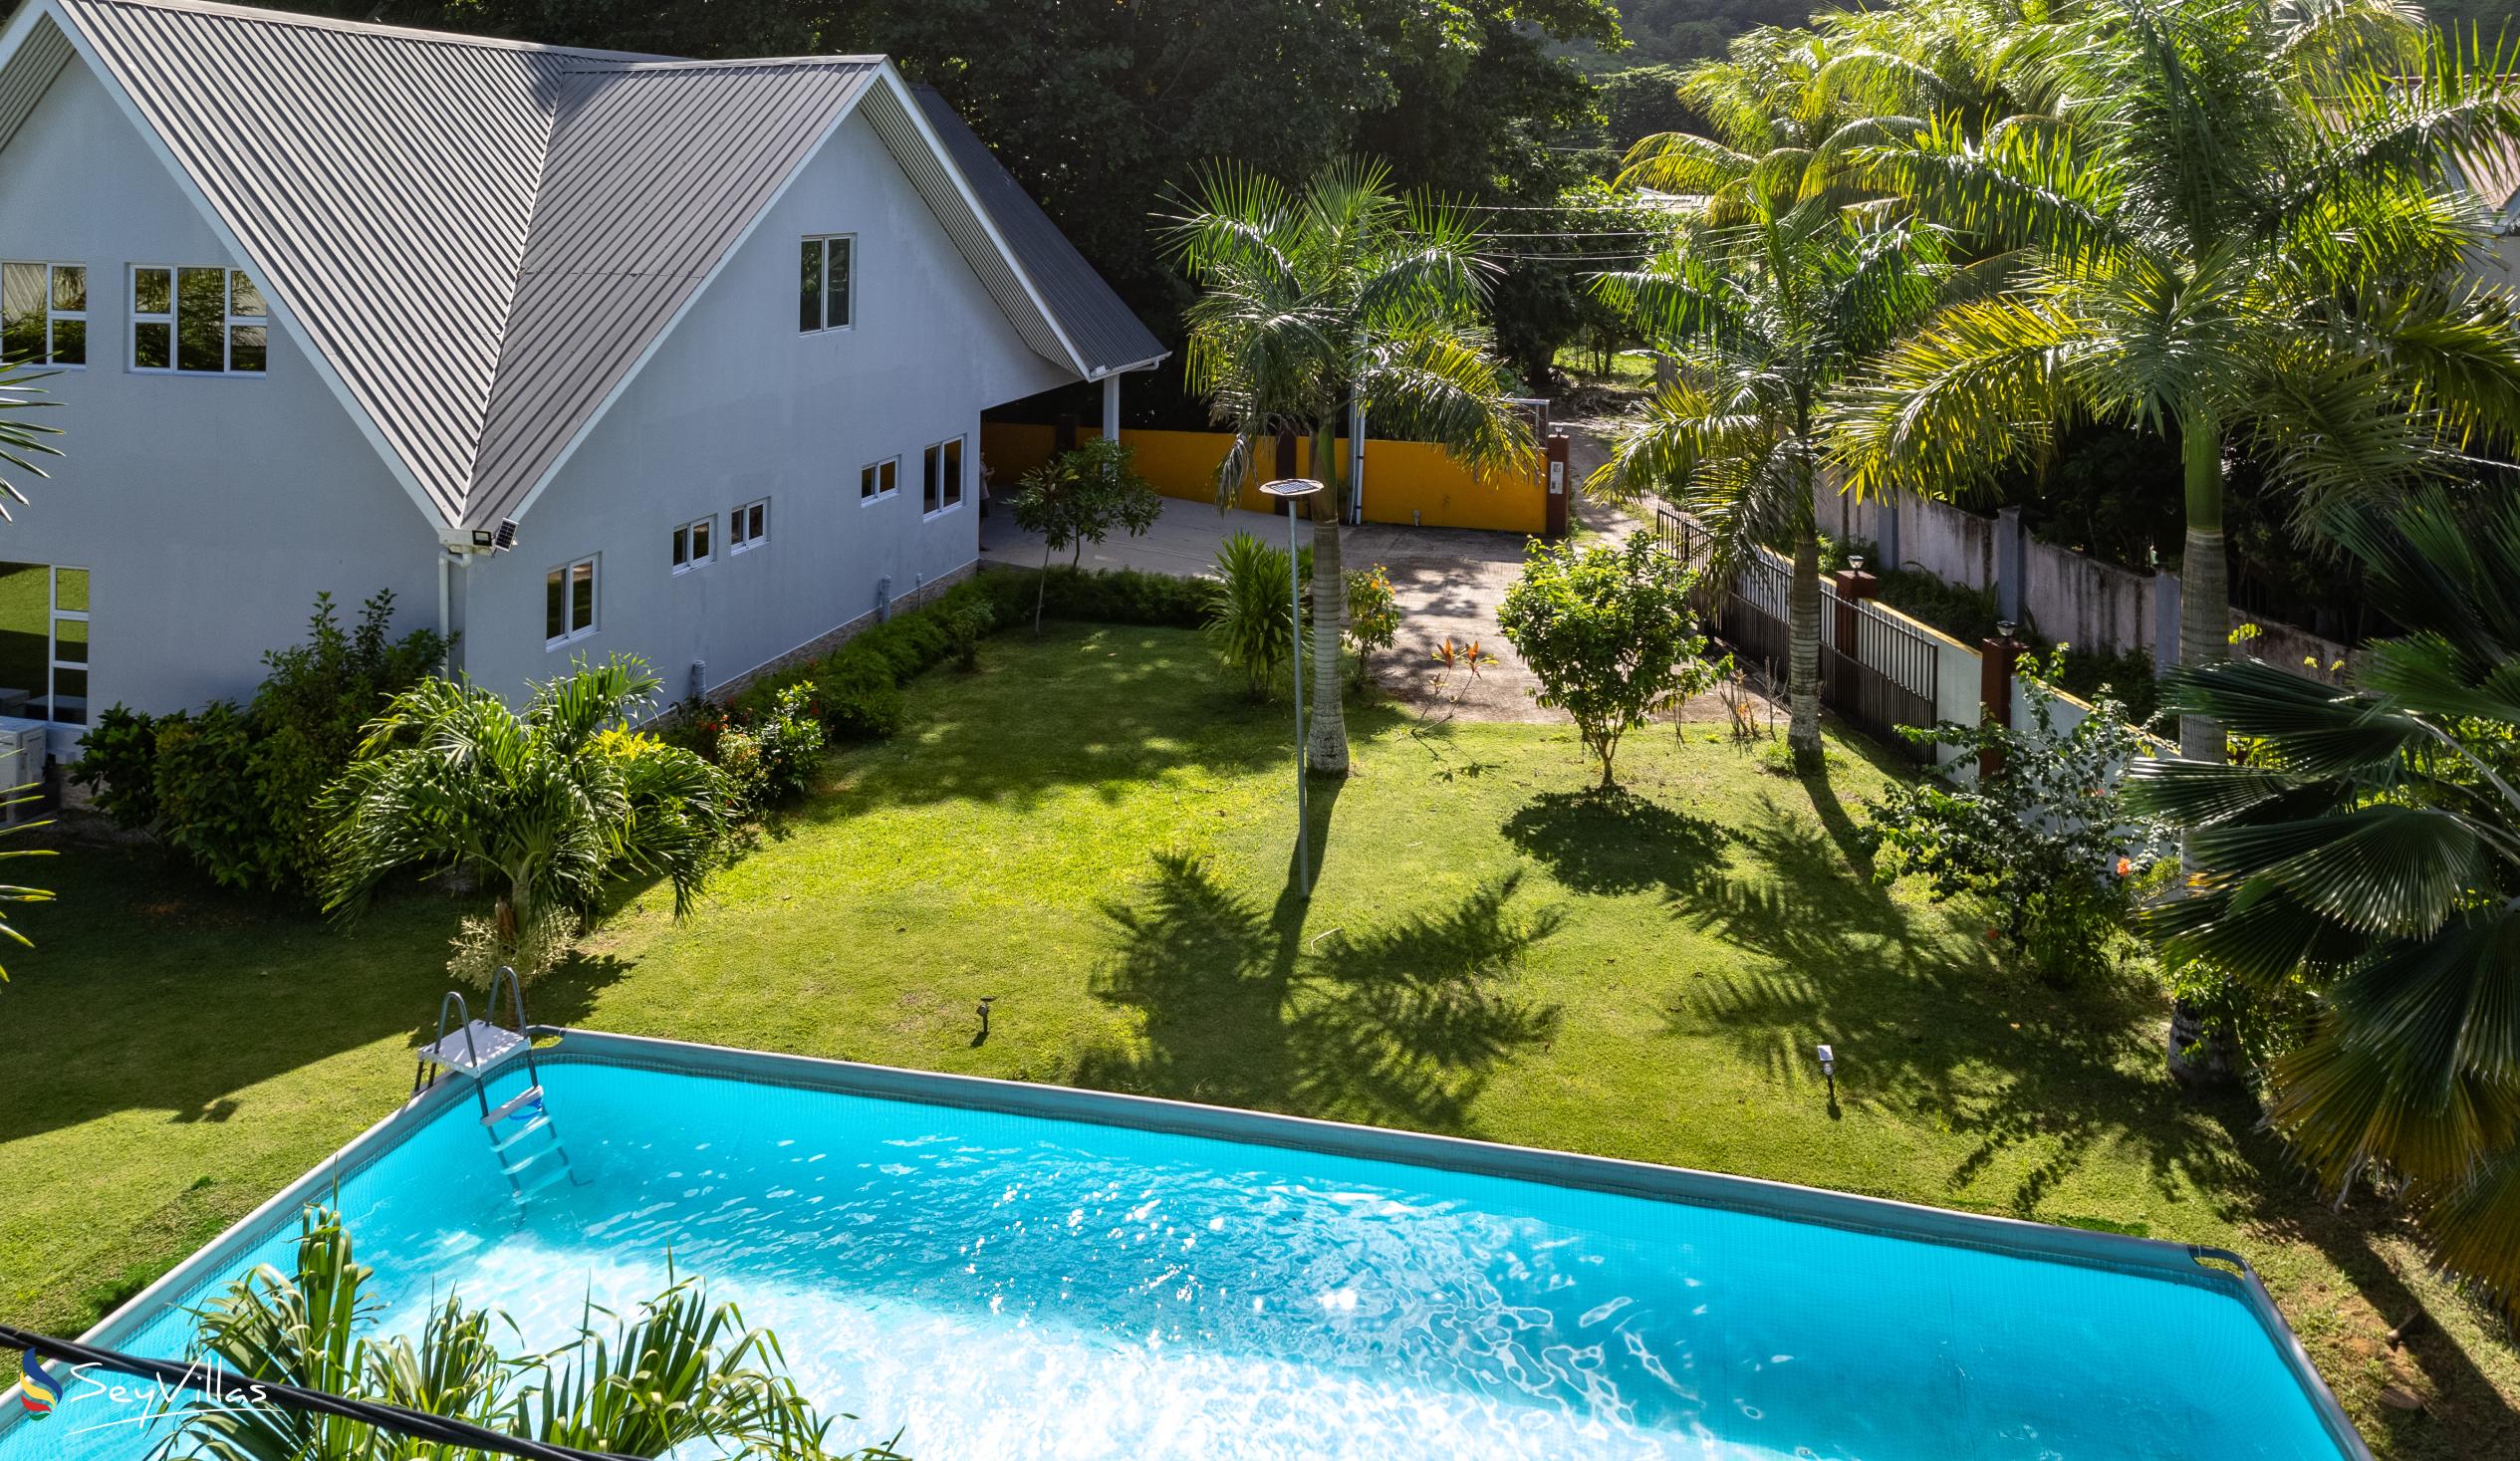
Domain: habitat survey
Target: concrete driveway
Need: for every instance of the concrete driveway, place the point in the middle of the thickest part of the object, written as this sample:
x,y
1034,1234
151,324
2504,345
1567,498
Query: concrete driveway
x,y
1448,581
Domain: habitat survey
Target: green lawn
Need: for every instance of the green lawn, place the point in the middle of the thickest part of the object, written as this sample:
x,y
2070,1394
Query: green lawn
x,y
1094,830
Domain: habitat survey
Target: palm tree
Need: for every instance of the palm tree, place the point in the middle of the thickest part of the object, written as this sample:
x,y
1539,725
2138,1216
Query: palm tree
x,y
21,441
1341,295
2367,853
1775,286
676,1371
2231,232
543,805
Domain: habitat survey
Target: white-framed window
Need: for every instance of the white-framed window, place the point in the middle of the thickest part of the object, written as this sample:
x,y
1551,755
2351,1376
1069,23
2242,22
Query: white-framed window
x,y
569,601
692,545
942,478
748,526
44,641
826,282
879,480
198,320
44,313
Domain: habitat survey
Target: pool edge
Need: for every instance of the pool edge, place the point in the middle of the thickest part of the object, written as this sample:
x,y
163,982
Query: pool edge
x,y
1693,1186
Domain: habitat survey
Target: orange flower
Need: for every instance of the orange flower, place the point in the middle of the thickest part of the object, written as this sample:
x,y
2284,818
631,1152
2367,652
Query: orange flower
x,y
2125,865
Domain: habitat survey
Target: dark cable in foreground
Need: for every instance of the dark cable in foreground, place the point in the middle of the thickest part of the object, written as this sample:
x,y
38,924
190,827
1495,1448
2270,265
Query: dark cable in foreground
x,y
227,1382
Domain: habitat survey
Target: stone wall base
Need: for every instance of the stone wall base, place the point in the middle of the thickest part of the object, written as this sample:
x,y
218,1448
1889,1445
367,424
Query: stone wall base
x,y
823,643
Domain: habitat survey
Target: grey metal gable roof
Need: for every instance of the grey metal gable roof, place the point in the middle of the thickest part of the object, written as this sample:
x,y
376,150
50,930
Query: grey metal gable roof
x,y
380,182
481,240
1105,332
654,172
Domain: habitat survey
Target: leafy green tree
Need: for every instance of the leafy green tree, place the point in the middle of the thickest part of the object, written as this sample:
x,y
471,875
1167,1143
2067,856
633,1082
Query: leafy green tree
x,y
2230,233
1342,295
2365,853
544,807
1079,497
678,1371
1612,634
1771,293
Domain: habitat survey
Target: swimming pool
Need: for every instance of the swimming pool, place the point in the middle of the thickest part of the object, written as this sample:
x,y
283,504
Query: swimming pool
x,y
1007,1271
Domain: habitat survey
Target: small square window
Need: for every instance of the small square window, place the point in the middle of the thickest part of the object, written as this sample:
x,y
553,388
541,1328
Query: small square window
x,y
200,319
747,524
877,481
691,544
44,314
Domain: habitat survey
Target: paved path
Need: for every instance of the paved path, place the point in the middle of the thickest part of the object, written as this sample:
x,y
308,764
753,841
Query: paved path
x,y
1448,581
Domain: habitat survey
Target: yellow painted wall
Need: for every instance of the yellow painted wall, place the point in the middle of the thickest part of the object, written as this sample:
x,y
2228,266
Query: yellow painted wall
x,y
1400,477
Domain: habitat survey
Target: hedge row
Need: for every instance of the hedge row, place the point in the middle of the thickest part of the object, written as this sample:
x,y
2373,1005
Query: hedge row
x,y
858,686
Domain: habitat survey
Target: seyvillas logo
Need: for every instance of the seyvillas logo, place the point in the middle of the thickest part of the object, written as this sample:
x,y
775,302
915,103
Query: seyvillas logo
x,y
38,1391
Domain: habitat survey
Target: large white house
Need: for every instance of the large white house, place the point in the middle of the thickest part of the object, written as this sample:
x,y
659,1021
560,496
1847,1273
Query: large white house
x,y
575,351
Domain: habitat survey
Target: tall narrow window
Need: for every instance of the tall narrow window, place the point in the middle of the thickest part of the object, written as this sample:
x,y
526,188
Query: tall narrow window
x,y
44,314
943,476
568,603
198,319
826,282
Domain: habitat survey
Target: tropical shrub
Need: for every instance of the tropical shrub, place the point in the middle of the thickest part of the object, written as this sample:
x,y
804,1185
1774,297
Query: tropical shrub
x,y
967,624
545,806
1373,616
1611,634
766,755
1250,613
2046,845
234,788
677,1373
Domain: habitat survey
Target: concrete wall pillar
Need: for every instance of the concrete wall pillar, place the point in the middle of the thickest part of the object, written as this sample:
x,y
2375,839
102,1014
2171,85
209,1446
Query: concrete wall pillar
x,y
2166,601
2011,564
1995,661
1561,485
1110,407
1885,535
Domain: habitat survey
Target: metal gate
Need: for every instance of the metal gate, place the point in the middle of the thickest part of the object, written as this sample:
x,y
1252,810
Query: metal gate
x,y
1887,678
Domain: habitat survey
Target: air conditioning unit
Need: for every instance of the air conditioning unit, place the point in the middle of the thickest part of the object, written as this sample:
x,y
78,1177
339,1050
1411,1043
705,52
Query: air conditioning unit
x,y
21,765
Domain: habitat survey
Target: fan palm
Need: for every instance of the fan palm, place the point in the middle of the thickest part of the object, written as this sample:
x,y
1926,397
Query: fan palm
x,y
678,1371
2231,232
1342,295
2367,852
1777,283
543,805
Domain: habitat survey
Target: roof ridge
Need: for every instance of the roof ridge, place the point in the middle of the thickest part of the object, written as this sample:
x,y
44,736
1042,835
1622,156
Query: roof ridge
x,y
725,63
371,28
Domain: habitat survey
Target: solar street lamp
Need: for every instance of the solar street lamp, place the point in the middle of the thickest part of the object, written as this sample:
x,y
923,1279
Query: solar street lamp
x,y
1291,488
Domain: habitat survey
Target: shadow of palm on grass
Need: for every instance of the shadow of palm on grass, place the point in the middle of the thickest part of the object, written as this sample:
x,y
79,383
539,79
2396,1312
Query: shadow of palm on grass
x,y
1926,1026
1397,1024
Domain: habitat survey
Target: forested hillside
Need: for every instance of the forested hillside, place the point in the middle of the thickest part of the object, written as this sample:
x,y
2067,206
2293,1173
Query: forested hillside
x,y
1665,31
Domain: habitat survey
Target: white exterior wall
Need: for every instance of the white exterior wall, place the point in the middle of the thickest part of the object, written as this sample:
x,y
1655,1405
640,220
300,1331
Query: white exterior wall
x,y
208,509
738,403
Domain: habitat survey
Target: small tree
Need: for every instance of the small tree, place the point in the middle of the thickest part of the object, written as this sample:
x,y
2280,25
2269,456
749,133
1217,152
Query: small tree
x,y
1611,633
2047,843
1079,497
545,806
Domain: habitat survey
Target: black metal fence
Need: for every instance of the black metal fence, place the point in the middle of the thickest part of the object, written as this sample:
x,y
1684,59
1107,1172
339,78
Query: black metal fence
x,y
1889,678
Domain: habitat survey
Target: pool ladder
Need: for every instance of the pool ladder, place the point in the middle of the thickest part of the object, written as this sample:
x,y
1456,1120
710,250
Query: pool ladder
x,y
522,1135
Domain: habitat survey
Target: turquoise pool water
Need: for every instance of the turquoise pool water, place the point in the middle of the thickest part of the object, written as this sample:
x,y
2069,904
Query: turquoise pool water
x,y
997,1286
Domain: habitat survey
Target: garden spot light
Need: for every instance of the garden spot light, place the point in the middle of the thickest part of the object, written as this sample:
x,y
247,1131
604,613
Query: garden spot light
x,y
1829,1068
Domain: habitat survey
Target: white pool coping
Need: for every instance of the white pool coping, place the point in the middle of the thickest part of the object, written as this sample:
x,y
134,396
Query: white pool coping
x,y
2183,1262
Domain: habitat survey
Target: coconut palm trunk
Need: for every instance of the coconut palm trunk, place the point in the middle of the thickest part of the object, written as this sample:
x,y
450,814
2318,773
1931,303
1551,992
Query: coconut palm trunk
x,y
1326,746
1802,676
2204,582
